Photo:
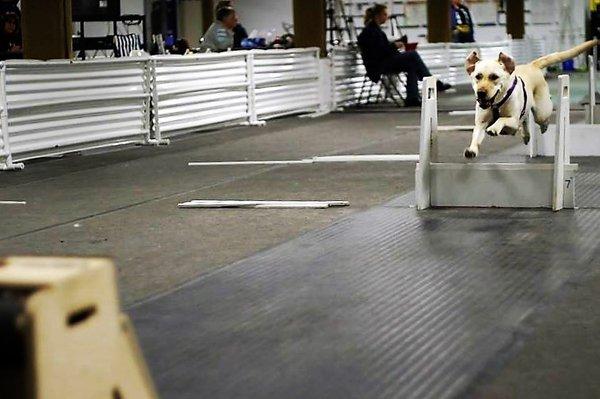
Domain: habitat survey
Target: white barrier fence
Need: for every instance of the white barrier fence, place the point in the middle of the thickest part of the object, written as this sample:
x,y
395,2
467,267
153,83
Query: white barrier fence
x,y
190,93
285,82
56,107
348,73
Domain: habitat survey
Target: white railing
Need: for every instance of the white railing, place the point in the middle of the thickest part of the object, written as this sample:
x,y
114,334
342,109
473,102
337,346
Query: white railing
x,y
55,107
193,92
348,73
285,81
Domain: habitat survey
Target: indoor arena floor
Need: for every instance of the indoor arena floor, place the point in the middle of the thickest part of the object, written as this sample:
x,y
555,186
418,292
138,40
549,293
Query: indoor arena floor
x,y
372,301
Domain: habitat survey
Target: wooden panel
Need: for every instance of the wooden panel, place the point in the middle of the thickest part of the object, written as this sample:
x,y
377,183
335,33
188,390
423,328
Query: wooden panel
x,y
515,18
438,21
47,29
309,24
208,14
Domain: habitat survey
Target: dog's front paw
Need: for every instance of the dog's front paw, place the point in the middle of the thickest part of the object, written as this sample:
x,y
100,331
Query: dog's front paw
x,y
543,127
526,139
469,153
491,131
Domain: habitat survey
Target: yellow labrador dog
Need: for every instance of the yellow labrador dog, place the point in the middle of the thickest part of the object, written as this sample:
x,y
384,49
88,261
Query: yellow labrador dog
x,y
506,92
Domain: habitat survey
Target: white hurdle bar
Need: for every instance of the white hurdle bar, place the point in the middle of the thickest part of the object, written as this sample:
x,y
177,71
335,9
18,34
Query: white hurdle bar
x,y
501,185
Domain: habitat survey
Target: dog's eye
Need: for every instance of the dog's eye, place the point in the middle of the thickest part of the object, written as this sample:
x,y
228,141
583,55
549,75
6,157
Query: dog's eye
x,y
493,77
478,76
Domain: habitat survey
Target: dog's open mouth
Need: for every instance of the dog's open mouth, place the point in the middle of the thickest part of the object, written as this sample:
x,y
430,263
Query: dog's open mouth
x,y
484,104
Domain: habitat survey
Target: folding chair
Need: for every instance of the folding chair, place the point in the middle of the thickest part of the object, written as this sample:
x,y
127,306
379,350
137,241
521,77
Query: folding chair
x,y
390,87
125,44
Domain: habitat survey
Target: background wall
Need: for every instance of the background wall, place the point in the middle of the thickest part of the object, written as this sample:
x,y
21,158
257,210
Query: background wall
x,y
560,22
190,21
264,15
105,28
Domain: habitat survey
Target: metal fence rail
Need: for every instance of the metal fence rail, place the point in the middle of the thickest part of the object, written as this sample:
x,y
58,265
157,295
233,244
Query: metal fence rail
x,y
194,92
347,76
56,107
51,108
285,82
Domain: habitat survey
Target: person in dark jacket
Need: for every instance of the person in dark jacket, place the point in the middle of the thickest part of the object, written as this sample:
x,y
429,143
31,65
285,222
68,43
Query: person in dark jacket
x,y
380,56
11,45
10,7
462,23
239,32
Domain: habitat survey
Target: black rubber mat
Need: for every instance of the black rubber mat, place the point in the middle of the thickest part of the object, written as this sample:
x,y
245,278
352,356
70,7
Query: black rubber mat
x,y
587,183
389,303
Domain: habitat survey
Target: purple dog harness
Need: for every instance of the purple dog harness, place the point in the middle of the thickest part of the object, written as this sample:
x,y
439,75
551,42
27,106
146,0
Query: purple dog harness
x,y
496,107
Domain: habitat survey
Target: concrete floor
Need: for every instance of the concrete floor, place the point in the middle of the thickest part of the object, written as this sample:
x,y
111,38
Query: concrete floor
x,y
123,205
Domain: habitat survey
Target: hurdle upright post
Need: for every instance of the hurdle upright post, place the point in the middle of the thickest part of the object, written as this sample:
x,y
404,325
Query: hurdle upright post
x,y
428,123
561,155
533,138
592,89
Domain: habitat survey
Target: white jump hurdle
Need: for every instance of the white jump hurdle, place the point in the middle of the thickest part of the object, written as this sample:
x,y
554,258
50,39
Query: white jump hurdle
x,y
584,137
503,185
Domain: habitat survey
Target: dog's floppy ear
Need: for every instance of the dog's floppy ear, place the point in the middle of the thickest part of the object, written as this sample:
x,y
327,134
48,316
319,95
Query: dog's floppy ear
x,y
507,61
470,62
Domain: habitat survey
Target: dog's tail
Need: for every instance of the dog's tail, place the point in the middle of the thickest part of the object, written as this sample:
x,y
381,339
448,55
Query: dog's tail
x,y
561,56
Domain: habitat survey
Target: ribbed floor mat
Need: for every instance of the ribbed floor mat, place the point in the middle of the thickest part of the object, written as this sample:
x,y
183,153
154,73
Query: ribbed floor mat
x,y
389,303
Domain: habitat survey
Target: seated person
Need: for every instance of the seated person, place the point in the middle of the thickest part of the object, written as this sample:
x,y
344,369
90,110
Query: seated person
x,y
11,46
382,57
239,32
10,7
461,23
219,36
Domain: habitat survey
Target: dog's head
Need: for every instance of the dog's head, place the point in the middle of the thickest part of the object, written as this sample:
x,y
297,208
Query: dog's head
x,y
489,77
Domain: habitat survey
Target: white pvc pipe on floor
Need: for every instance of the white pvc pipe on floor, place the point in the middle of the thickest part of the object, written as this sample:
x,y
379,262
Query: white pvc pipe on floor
x,y
262,204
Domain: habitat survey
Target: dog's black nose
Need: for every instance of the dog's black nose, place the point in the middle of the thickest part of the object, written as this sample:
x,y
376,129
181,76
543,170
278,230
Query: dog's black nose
x,y
481,95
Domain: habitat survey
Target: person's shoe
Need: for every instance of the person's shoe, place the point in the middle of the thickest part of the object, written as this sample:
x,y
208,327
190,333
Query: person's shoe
x,y
441,86
412,102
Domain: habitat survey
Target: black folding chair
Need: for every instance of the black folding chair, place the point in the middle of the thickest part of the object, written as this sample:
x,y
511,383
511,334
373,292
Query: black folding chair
x,y
390,89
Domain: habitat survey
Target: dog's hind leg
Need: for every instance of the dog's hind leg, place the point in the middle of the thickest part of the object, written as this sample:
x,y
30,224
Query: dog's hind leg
x,y
542,106
524,131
